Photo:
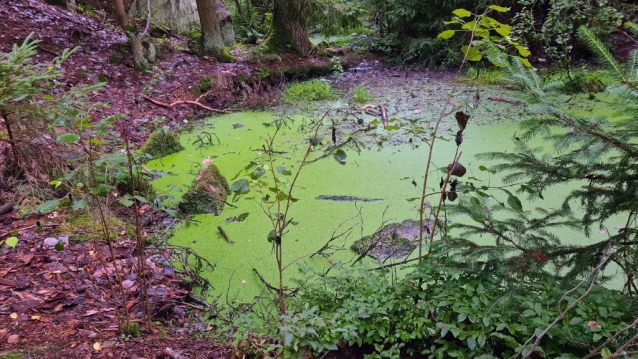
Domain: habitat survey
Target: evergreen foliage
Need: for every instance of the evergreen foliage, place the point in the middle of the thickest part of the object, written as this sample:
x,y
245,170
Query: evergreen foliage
x,y
598,156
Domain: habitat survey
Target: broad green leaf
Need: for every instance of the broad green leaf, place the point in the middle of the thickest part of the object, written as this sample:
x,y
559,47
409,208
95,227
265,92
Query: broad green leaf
x,y
462,13
48,97
78,205
242,217
272,236
141,199
473,53
258,173
284,171
340,156
11,242
55,183
522,50
240,187
484,169
526,63
447,34
126,202
68,138
503,30
605,352
515,203
59,246
171,212
48,206
499,8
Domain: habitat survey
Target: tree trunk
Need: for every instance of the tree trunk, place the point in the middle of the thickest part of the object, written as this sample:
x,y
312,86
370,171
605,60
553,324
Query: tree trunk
x,y
288,30
212,41
135,38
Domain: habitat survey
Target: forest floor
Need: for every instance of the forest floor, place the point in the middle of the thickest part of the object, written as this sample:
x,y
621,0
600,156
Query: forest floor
x,y
56,304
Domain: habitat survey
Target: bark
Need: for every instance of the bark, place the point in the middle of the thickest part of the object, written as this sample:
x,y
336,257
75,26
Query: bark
x,y
212,42
225,23
288,31
135,38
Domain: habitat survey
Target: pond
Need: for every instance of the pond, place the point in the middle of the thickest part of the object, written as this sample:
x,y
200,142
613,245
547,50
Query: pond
x,y
376,182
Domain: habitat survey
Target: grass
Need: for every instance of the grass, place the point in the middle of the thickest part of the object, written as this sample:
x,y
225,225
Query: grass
x,y
314,90
484,76
361,95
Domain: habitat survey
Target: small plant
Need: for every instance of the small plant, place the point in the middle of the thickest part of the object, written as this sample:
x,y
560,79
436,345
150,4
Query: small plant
x,y
337,68
361,95
313,90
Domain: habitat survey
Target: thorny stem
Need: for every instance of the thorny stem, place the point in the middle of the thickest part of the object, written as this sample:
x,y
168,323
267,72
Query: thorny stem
x,y
141,270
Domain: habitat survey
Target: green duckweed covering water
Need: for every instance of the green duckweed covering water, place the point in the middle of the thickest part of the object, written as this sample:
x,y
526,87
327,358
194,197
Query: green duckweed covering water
x,y
380,172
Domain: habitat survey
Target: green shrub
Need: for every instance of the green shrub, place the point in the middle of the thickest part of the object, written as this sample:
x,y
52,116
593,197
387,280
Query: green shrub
x,y
443,311
314,90
361,95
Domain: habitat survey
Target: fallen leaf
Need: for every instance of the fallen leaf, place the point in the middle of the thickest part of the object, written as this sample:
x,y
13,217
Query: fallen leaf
x,y
97,346
12,339
416,112
13,315
36,317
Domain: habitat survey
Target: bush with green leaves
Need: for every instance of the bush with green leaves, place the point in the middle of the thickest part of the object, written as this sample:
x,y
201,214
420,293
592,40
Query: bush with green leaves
x,y
443,310
32,103
550,27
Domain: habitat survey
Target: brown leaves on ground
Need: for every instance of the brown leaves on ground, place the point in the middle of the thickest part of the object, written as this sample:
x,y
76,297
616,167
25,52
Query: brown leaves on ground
x,y
59,304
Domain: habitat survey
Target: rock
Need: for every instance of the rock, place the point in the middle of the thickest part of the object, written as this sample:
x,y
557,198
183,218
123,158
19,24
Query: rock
x,y
238,125
128,283
49,243
395,240
207,194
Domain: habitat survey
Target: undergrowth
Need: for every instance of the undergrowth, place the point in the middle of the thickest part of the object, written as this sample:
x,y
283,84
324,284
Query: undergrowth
x,y
313,90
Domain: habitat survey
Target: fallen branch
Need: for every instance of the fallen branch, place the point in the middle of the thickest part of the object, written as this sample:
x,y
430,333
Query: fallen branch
x,y
173,354
384,115
507,100
7,207
28,227
181,102
223,232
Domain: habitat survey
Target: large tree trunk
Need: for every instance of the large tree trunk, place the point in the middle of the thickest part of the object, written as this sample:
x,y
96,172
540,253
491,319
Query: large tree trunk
x,y
212,41
135,38
225,23
288,31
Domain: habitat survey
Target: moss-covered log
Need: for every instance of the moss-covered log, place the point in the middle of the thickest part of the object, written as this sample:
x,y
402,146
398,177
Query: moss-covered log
x,y
208,193
161,143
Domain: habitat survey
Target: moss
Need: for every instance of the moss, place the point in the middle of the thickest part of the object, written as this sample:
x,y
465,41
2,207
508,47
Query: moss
x,y
225,56
161,143
85,225
12,355
207,194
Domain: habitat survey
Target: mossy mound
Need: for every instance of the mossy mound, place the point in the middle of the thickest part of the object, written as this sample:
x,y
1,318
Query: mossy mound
x,y
395,240
207,194
161,143
12,355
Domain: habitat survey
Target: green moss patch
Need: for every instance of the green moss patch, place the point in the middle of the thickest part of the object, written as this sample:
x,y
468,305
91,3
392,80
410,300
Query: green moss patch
x,y
208,193
161,143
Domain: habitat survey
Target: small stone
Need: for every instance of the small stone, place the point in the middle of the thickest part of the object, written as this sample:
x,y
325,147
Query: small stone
x,y
49,243
128,283
12,339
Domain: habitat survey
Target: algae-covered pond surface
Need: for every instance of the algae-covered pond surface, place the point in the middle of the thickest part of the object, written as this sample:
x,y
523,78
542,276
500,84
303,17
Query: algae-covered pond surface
x,y
382,171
